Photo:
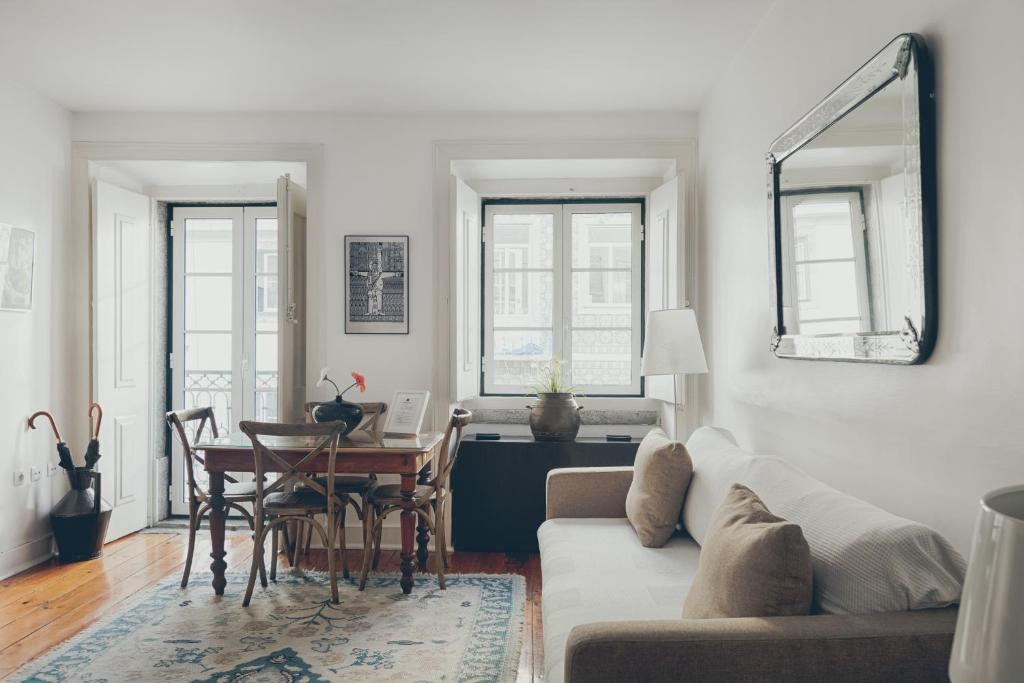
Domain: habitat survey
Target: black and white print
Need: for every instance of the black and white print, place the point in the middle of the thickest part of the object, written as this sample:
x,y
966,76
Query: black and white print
x,y
17,263
377,284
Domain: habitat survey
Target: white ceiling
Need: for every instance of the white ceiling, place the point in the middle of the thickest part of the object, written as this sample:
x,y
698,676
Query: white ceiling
x,y
374,56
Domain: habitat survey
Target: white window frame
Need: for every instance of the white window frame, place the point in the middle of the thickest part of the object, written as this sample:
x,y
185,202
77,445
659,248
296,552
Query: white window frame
x,y
854,196
241,326
563,270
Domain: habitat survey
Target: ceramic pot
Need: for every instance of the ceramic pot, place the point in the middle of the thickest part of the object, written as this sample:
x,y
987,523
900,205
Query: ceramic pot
x,y
339,409
555,417
81,517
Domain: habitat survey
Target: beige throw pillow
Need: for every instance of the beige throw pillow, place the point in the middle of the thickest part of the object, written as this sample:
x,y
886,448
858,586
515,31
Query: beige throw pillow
x,y
752,564
661,473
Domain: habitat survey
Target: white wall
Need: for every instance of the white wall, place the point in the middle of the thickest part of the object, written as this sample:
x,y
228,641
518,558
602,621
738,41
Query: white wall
x,y
377,179
40,364
926,441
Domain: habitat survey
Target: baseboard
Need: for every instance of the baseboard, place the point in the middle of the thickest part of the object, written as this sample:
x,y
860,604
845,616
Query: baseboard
x,y
26,556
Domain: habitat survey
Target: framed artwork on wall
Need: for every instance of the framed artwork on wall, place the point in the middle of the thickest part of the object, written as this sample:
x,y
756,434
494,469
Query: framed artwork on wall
x,y
17,267
376,284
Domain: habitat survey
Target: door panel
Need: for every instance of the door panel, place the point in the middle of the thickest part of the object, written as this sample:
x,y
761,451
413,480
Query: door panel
x,y
122,351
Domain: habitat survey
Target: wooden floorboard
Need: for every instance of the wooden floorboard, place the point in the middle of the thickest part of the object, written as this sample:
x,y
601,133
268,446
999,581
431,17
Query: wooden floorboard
x,y
49,603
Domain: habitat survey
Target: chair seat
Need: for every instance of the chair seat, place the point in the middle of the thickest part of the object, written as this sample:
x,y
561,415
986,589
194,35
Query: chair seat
x,y
391,494
300,499
240,489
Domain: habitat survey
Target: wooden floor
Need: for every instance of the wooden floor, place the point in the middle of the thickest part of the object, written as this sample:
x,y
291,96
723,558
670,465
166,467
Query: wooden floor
x,y
42,607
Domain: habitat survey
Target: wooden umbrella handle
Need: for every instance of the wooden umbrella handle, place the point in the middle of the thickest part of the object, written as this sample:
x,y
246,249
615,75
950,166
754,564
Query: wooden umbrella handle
x,y
99,420
53,425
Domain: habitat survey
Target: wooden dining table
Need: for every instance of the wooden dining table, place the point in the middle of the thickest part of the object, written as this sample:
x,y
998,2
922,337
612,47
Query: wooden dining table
x,y
360,452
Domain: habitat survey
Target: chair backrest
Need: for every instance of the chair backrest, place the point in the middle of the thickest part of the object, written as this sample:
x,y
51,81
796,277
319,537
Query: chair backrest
x,y
372,413
450,447
324,436
177,419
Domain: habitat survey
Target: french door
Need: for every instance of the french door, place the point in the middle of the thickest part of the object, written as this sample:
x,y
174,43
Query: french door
x,y
225,319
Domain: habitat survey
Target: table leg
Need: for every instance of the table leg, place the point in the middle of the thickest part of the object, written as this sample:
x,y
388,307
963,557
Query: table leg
x,y
216,521
408,530
422,530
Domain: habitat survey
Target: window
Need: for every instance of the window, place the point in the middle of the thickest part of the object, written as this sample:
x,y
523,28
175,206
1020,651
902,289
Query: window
x,y
828,263
225,313
563,281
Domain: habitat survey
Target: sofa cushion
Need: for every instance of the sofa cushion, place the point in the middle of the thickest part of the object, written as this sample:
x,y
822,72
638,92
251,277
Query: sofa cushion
x,y
661,473
718,463
865,559
597,570
752,564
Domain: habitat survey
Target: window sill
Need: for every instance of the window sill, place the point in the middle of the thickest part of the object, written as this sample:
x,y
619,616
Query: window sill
x,y
601,414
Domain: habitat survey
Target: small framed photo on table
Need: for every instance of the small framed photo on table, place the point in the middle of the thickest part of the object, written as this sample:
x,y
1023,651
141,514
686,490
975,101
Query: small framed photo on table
x,y
405,414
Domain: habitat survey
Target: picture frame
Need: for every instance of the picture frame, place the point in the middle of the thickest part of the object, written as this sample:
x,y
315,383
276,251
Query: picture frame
x,y
406,411
17,268
376,284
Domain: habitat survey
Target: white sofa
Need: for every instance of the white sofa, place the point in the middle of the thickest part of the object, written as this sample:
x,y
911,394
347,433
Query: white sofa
x,y
611,607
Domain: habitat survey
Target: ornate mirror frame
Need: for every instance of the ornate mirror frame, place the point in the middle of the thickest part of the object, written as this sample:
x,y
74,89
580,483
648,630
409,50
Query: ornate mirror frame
x,y
914,343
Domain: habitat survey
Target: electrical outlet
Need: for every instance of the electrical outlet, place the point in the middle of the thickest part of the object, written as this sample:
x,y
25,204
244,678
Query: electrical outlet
x,y
19,477
35,473
51,469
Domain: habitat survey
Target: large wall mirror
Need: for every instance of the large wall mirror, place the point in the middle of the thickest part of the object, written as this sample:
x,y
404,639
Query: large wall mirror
x,y
852,216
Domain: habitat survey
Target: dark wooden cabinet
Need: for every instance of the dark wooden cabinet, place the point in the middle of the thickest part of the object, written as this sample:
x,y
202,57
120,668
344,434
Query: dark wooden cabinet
x,y
498,487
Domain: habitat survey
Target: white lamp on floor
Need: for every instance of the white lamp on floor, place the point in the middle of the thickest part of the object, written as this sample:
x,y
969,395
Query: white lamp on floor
x,y
989,643
672,346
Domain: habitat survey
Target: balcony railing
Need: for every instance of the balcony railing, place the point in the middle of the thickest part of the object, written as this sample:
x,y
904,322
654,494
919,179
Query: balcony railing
x,y
213,388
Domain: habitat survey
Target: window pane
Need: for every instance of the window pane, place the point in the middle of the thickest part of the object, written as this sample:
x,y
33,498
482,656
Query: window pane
x,y
207,302
524,240
266,245
208,245
602,299
822,230
523,299
266,303
602,240
517,355
830,290
266,377
208,374
601,358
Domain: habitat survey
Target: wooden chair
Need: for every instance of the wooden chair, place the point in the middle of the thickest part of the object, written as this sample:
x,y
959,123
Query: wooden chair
x,y
431,500
296,495
236,493
357,487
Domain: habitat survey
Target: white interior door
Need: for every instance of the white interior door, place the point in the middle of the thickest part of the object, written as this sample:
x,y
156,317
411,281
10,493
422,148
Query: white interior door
x,y
122,351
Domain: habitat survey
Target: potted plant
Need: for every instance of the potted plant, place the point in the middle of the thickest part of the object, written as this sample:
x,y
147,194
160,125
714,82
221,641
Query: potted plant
x,y
555,416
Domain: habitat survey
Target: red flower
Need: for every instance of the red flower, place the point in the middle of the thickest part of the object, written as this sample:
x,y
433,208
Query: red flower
x,y
360,381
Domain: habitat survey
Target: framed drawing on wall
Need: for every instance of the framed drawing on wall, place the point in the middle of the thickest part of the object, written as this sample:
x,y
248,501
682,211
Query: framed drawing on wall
x,y
376,284
17,266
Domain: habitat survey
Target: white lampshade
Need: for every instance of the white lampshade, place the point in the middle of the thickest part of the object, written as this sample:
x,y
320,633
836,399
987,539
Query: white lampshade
x,y
989,641
672,344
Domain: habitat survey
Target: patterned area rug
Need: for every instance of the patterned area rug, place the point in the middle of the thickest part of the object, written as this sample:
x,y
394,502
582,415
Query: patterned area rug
x,y
291,632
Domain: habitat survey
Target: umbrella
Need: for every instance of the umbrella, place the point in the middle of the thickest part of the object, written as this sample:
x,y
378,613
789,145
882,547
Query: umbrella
x,y
63,452
92,452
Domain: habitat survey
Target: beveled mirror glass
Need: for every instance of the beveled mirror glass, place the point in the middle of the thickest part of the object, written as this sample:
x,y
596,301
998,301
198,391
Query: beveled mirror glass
x,y
852,215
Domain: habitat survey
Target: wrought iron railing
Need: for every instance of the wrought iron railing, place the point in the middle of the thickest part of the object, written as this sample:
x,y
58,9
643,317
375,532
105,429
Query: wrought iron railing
x,y
214,387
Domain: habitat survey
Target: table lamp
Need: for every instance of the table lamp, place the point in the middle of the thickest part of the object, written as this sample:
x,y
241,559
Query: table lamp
x,y
672,346
990,623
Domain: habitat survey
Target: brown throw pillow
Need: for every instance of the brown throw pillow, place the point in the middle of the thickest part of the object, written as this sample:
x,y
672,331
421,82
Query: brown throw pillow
x,y
661,473
752,564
